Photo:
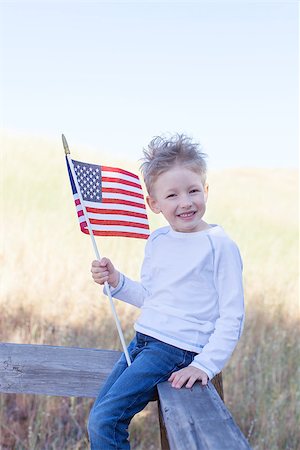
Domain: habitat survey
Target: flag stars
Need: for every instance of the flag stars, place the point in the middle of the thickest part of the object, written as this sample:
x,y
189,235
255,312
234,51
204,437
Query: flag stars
x,y
89,180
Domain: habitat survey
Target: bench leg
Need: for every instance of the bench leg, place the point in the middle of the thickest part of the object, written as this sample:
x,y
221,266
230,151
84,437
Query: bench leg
x,y
217,381
163,432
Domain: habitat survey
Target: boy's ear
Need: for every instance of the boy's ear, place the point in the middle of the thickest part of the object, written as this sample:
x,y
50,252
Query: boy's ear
x,y
152,203
206,192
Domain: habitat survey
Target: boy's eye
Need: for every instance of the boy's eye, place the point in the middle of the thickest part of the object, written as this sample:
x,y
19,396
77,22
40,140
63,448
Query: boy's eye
x,y
194,190
170,195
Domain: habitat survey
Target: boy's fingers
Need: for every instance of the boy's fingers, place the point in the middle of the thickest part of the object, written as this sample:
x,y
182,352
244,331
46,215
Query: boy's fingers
x,y
100,275
171,378
204,381
98,271
179,380
175,375
184,377
101,263
96,263
104,262
191,382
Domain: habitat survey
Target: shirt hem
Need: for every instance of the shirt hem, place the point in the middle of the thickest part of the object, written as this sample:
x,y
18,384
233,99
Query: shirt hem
x,y
169,339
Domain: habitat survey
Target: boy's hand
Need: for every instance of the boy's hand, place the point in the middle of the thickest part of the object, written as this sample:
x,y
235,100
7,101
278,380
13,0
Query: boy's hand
x,y
104,270
188,375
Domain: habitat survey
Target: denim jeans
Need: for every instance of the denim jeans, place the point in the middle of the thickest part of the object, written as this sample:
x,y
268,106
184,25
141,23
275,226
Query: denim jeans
x,y
128,389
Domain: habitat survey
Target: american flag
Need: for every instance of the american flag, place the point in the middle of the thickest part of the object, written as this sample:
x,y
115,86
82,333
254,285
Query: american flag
x,y
113,199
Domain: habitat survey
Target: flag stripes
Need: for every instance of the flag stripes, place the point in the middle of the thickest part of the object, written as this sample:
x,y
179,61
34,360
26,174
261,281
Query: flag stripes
x,y
117,218
113,204
117,190
121,181
115,223
117,211
113,199
121,172
116,233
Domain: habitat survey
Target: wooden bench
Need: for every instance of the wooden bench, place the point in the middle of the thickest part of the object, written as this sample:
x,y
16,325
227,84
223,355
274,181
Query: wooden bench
x,y
193,419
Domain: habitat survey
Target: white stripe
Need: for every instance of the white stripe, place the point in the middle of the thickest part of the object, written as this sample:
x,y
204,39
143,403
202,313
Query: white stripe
x,y
120,228
112,206
106,173
109,195
113,185
115,206
129,198
117,217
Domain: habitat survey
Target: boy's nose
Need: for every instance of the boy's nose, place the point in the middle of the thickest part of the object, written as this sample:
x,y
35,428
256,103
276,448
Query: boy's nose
x,y
185,201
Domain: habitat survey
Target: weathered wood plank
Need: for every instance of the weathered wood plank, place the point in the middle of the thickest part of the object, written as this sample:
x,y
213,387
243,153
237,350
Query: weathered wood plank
x,y
164,444
50,370
197,419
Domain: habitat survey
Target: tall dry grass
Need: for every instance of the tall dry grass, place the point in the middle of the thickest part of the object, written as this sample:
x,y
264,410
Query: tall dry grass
x,y
47,295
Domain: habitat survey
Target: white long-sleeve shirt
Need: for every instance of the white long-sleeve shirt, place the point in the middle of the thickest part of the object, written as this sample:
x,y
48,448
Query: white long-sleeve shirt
x,y
190,294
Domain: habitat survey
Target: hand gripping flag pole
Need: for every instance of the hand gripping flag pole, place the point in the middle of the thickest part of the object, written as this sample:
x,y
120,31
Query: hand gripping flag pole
x,y
107,288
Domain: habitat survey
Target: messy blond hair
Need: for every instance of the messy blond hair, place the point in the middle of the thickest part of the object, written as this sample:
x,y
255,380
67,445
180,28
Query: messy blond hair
x,y
163,153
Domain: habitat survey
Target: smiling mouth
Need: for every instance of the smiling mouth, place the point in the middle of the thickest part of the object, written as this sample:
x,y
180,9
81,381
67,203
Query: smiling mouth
x,y
187,215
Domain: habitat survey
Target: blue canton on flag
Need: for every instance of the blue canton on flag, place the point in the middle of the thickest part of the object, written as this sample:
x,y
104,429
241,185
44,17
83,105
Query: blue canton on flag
x,y
89,180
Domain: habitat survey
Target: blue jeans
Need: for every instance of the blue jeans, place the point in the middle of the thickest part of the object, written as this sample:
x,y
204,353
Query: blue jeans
x,y
128,389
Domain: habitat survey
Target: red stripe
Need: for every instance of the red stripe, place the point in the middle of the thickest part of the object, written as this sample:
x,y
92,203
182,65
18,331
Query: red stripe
x,y
116,211
120,180
123,191
123,223
84,227
115,169
116,233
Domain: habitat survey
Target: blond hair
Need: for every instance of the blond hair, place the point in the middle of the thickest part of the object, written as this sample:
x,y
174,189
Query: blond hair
x,y
163,153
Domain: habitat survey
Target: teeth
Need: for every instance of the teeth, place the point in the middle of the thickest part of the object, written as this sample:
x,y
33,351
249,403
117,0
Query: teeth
x,y
186,214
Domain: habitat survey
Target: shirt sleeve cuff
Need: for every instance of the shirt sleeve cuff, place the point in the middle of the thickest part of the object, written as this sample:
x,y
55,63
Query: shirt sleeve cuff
x,y
115,290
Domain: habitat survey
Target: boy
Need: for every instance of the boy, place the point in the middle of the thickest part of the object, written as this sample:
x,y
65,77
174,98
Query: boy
x,y
190,294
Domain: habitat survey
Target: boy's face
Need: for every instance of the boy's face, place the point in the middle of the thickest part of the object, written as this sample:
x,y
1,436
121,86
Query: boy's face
x,y
181,197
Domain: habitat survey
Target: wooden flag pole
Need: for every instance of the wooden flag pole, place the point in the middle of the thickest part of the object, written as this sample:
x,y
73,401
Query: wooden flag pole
x,y
106,285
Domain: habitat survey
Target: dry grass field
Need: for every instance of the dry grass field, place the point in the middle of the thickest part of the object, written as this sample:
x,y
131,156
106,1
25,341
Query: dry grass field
x,y
47,295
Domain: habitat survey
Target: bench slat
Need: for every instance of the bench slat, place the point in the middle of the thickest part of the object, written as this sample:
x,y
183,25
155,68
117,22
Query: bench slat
x,y
197,419
51,370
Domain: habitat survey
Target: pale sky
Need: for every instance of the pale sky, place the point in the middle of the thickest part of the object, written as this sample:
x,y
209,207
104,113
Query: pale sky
x,y
111,75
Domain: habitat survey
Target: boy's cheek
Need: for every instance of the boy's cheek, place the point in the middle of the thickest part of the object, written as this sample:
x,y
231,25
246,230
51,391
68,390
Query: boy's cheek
x,y
153,205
